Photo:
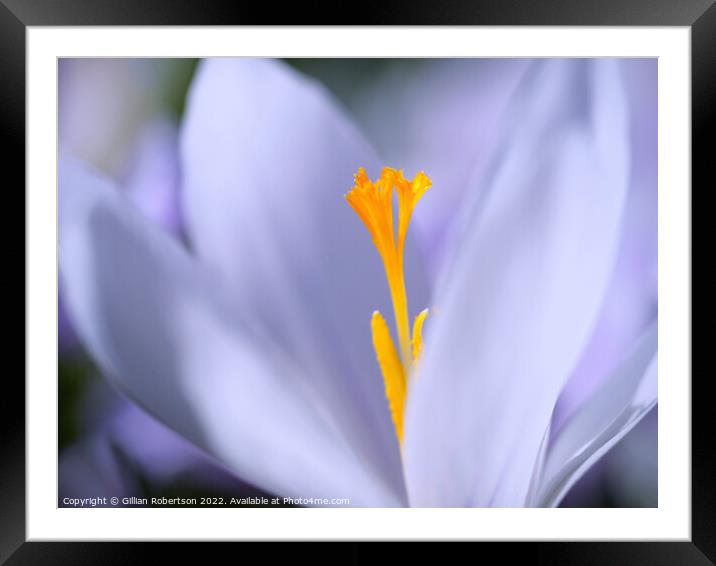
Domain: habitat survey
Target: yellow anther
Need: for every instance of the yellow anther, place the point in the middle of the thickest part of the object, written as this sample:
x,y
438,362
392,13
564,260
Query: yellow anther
x,y
392,370
373,203
417,343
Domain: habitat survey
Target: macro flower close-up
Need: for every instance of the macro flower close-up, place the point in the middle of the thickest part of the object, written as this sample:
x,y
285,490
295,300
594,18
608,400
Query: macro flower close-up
x,y
378,284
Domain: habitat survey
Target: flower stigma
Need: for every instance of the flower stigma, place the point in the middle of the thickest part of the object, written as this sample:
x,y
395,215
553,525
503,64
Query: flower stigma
x,y
373,203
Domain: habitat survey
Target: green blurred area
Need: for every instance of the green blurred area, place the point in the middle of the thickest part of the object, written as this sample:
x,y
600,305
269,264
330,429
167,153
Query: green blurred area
x,y
76,373
175,85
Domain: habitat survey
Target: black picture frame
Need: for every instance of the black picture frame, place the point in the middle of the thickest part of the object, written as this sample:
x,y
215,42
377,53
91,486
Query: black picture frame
x,y
17,15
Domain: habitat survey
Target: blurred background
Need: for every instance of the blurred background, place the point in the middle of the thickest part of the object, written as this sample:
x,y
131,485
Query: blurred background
x,y
123,117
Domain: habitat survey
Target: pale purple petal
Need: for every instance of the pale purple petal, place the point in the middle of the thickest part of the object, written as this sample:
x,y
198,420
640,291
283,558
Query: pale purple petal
x,y
166,332
267,158
159,453
609,414
151,174
148,447
631,300
90,468
522,293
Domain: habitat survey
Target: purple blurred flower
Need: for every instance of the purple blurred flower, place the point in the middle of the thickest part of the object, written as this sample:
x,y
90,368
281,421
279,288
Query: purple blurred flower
x,y
108,118
126,444
256,346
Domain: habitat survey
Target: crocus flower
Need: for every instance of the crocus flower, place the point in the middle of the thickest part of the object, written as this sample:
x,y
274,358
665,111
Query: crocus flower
x,y
462,104
255,344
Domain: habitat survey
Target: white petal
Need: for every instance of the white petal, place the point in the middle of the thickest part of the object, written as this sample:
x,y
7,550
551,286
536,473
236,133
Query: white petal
x,y
611,412
267,159
167,334
523,291
630,304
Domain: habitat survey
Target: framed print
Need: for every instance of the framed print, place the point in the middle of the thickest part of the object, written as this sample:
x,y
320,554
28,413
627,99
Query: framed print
x,y
424,280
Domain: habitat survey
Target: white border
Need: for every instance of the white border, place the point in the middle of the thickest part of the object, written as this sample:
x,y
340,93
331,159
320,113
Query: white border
x,y
671,520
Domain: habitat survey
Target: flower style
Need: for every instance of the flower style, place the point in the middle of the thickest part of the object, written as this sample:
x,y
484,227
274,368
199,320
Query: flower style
x,y
373,203
253,343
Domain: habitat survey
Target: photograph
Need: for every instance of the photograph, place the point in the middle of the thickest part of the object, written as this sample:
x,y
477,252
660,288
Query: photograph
x,y
357,282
